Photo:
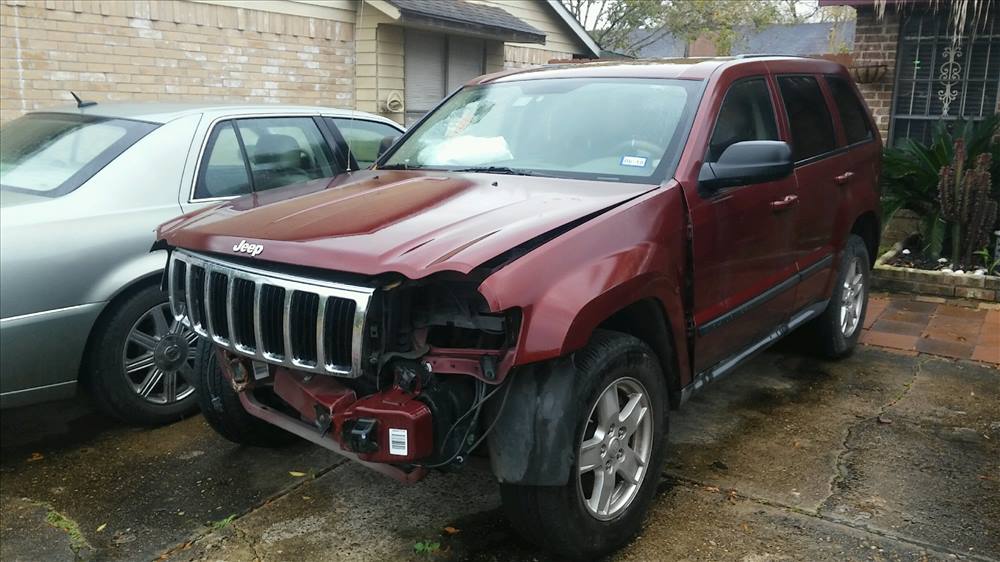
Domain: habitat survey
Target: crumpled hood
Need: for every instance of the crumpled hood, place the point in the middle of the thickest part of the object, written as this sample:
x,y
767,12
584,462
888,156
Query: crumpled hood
x,y
412,222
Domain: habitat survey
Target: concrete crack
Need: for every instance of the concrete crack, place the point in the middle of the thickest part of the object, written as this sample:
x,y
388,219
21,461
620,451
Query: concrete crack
x,y
733,494
206,531
839,478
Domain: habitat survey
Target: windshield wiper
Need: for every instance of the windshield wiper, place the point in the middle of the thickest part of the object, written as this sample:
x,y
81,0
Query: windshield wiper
x,y
400,166
498,170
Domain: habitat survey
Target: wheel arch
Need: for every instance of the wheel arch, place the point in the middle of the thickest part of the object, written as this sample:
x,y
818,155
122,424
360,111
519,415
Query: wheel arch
x,y
868,226
120,296
646,319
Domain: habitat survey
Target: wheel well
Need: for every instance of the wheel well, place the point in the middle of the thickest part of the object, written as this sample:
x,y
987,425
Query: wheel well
x,y
867,227
647,321
109,309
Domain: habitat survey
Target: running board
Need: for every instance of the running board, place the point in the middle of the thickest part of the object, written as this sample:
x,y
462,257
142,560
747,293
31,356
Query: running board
x,y
726,366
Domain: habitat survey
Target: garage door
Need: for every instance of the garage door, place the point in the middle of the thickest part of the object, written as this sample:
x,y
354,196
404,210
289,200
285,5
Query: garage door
x,y
435,65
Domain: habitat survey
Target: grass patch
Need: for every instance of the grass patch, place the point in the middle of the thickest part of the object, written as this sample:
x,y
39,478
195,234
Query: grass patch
x,y
70,527
222,523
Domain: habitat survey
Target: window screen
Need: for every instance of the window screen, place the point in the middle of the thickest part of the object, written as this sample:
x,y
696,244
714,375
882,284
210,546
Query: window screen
x,y
852,111
808,117
746,114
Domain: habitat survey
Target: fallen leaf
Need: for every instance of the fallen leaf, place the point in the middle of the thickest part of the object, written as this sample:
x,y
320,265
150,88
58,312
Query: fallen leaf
x,y
36,457
296,473
101,527
711,489
451,530
884,420
307,498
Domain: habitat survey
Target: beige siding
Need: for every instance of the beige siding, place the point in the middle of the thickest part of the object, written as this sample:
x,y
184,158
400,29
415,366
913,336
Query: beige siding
x,y
169,50
537,13
379,60
524,57
338,10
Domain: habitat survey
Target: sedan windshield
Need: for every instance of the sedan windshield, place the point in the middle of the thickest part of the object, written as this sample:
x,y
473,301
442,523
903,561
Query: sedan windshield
x,y
587,128
52,154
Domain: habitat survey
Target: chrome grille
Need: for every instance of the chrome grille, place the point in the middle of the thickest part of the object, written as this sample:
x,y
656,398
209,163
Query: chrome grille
x,y
305,324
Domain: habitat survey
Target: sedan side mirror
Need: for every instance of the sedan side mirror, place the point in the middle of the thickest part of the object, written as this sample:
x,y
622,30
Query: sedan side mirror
x,y
747,162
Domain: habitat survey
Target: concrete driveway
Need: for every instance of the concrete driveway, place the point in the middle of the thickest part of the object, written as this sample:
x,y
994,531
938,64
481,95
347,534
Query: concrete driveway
x,y
878,457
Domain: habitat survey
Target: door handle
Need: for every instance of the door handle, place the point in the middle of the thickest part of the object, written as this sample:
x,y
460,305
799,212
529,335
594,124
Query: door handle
x,y
784,203
843,178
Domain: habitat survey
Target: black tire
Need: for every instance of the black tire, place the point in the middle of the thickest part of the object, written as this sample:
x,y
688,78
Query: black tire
x,y
104,374
825,331
555,517
223,410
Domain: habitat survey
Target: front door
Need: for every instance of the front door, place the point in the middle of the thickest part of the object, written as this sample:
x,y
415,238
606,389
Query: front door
x,y
744,263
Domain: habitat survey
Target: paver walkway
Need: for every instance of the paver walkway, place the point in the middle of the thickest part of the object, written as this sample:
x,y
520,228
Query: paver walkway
x,y
950,328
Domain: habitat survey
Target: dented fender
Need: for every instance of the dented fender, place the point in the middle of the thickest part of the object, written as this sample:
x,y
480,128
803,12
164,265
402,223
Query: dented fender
x,y
569,285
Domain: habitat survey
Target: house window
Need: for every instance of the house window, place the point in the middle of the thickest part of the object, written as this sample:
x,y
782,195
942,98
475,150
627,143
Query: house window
x,y
938,79
436,65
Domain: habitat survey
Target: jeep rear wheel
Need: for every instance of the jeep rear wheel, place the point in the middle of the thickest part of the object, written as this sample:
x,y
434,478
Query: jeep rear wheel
x,y
619,452
836,331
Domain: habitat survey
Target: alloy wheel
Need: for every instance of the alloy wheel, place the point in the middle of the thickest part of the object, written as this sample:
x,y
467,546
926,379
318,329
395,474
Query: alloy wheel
x,y
616,447
158,359
852,299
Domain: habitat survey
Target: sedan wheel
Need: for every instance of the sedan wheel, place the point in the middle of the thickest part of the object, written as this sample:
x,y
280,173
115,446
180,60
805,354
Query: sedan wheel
x,y
158,359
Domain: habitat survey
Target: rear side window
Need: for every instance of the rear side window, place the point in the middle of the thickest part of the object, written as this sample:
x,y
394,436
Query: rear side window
x,y
52,154
808,117
852,112
746,115
224,172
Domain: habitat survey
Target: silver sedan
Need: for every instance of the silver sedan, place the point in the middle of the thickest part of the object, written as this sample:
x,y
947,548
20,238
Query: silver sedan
x,y
82,190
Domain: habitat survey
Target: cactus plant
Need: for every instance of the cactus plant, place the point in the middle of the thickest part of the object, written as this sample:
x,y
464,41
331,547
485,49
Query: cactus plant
x,y
966,203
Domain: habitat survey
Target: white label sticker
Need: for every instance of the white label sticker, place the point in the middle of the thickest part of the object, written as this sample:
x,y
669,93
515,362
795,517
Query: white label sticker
x,y
636,161
397,441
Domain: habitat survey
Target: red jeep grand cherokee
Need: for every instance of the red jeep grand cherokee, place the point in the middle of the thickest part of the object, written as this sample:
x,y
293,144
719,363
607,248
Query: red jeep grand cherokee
x,y
539,271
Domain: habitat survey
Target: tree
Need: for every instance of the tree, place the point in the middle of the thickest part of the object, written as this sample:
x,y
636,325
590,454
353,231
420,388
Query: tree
x,y
613,23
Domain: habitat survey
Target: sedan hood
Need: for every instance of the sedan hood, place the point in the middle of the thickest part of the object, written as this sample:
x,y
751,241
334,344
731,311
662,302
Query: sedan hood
x,y
411,222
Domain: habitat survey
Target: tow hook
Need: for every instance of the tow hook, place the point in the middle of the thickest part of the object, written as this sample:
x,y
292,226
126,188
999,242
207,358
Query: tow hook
x,y
240,376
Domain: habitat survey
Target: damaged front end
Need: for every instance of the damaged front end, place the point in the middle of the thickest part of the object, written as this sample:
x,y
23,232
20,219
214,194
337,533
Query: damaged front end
x,y
391,372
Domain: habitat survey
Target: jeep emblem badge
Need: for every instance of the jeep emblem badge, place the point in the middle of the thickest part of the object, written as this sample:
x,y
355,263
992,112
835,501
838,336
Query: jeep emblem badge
x,y
246,248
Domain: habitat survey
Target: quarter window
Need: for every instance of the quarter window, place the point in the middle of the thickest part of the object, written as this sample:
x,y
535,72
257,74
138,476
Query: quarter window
x,y
808,117
853,114
224,171
364,138
746,114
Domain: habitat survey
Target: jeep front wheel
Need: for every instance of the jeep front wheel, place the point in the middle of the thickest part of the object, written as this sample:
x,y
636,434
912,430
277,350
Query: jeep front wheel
x,y
619,452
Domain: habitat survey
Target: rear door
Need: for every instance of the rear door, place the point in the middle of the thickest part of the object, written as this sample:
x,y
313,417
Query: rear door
x,y
743,258
822,166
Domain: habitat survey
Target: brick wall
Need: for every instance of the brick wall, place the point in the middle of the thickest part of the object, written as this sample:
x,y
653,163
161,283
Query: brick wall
x,y
168,50
875,43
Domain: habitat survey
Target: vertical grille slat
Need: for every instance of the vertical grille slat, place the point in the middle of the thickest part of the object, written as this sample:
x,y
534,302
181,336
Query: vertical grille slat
x,y
272,304
217,294
304,324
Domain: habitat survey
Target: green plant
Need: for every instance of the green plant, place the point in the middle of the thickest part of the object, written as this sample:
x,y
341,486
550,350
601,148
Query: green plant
x,y
222,523
911,173
967,203
992,265
426,548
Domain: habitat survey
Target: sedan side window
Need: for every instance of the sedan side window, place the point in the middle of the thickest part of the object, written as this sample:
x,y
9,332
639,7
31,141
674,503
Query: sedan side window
x,y
223,170
286,150
808,117
746,114
364,137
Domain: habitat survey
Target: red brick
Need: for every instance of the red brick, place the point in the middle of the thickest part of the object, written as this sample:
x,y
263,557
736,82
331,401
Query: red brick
x,y
894,341
945,348
987,354
894,327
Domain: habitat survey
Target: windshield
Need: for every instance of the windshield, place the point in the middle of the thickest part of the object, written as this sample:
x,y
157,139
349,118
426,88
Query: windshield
x,y
52,154
605,129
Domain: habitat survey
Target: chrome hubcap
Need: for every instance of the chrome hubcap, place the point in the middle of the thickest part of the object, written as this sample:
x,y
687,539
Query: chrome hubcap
x,y
852,299
159,356
615,448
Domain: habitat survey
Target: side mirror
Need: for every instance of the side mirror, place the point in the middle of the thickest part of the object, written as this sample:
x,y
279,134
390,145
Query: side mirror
x,y
747,162
386,143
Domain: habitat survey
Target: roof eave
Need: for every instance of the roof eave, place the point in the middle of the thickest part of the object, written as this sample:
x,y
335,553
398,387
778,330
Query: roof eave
x,y
419,20
575,26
